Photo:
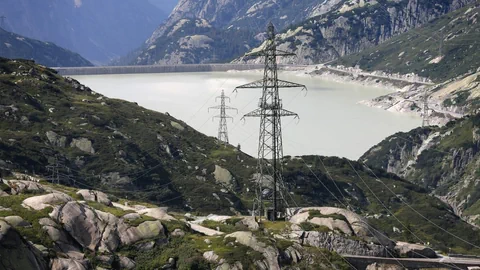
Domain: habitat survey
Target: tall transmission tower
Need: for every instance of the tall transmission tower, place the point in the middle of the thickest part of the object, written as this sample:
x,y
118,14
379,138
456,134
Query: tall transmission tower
x,y
222,128
425,120
271,190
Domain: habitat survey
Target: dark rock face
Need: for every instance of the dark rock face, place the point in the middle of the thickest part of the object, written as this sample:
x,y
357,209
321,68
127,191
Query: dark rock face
x,y
349,30
444,160
16,253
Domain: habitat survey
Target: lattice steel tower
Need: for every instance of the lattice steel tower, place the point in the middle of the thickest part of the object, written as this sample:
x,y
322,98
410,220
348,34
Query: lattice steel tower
x,y
271,191
425,116
222,128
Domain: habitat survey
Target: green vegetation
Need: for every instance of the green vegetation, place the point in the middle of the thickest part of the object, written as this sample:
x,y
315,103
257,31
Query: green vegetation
x,y
112,210
415,50
316,213
307,226
184,253
35,232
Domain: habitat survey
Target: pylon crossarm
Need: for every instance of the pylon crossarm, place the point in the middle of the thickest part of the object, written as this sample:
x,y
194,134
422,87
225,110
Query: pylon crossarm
x,y
252,85
256,113
231,108
214,108
284,112
287,84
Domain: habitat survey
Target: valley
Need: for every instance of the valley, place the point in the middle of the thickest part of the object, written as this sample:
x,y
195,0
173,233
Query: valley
x,y
239,134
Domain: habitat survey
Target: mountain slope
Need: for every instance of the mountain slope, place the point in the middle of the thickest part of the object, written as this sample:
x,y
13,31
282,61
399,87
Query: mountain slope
x,y
356,26
45,53
242,22
442,49
98,30
444,160
52,123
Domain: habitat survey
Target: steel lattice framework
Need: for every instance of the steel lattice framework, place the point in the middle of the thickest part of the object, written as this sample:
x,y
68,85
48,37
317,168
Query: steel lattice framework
x,y
222,128
271,191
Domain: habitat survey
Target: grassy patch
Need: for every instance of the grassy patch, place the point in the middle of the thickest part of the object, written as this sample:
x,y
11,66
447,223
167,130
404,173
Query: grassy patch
x,y
307,226
35,233
112,210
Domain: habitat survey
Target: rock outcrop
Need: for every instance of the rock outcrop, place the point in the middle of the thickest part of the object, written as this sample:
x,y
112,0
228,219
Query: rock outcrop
x,y
248,239
26,256
95,196
100,231
44,201
23,186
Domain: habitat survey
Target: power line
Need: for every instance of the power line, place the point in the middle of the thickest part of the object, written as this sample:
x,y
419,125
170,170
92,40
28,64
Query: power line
x,y
222,128
270,112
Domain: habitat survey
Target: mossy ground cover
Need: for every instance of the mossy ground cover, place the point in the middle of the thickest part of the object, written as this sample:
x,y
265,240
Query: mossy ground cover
x,y
34,233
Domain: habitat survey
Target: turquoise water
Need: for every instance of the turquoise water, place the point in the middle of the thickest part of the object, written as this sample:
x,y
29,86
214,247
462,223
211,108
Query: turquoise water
x,y
331,122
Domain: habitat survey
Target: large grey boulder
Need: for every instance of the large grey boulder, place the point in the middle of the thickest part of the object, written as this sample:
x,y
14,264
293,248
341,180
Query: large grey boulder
x,y
64,243
69,264
44,201
16,221
55,139
359,224
83,144
126,263
204,230
250,223
159,213
16,252
100,231
223,177
337,243
248,239
95,196
23,186
415,250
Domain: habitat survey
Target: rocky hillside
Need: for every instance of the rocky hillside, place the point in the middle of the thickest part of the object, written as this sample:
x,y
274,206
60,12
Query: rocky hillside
x,y
192,41
44,53
444,160
99,30
356,26
57,227
63,130
442,49
446,101
234,28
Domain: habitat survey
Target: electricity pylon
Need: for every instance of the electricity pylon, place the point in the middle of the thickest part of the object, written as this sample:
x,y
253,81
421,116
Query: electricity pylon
x,y
222,128
425,120
270,148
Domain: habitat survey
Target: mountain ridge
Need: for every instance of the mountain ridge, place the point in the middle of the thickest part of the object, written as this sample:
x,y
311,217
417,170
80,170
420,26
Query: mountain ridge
x,y
44,53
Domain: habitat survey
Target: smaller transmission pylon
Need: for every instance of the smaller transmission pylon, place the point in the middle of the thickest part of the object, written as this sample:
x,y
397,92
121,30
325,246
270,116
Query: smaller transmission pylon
x,y
222,128
425,120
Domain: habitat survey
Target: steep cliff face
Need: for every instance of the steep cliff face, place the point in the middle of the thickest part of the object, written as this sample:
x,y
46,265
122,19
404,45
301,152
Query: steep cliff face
x,y
356,26
242,21
444,160
98,30
44,53
444,48
191,41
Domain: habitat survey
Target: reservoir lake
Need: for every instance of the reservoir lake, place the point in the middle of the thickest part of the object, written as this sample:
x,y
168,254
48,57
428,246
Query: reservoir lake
x,y
332,123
